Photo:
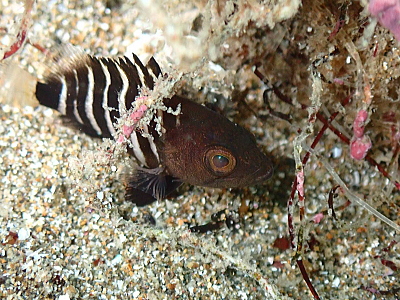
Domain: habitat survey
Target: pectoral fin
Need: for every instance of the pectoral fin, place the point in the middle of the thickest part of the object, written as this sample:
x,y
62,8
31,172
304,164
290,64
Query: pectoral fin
x,y
149,185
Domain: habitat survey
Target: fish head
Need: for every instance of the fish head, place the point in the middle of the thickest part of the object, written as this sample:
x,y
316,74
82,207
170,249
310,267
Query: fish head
x,y
204,148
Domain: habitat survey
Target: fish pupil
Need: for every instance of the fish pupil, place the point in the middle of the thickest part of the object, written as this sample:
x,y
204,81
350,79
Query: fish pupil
x,y
220,161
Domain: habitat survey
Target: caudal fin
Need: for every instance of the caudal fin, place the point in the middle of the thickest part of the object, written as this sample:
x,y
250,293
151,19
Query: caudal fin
x,y
17,86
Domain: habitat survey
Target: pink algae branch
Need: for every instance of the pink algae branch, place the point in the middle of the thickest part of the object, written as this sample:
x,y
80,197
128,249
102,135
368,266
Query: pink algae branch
x,y
134,117
358,124
360,143
388,14
22,33
300,183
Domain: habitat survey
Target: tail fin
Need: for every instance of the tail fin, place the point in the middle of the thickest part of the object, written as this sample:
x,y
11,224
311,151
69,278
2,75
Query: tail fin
x,y
17,86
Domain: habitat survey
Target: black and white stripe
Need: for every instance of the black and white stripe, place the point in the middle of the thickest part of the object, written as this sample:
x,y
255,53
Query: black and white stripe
x,y
103,95
95,92
73,97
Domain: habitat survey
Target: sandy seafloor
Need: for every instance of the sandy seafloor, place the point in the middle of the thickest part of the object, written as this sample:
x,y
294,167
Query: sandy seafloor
x,y
65,232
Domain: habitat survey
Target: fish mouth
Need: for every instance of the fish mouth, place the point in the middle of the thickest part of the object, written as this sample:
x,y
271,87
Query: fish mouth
x,y
259,176
263,174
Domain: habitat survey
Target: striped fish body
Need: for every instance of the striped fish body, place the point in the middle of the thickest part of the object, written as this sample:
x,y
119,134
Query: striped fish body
x,y
198,146
94,92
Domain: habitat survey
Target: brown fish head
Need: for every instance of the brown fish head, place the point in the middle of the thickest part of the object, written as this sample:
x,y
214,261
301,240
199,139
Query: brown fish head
x,y
203,148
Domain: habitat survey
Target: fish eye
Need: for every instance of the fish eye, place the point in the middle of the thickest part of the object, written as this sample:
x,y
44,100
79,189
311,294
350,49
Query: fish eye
x,y
220,161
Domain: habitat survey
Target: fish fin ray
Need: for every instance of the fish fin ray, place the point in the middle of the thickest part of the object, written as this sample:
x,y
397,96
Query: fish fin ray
x,y
149,185
17,86
63,59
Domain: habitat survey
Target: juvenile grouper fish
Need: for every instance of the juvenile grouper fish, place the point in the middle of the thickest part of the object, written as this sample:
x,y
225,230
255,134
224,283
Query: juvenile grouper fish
x,y
198,146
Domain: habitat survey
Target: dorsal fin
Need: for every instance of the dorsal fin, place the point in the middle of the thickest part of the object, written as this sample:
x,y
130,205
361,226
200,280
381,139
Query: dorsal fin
x,y
63,59
154,67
